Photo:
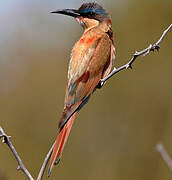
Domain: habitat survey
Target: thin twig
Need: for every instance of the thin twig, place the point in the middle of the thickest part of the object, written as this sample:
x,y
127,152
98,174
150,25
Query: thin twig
x,y
42,170
161,149
6,140
144,52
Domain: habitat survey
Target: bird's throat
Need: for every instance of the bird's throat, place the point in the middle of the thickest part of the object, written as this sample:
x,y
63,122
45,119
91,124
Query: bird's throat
x,y
87,23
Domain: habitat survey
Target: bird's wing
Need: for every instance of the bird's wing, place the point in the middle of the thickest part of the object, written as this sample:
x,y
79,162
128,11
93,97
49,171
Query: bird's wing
x,y
88,62
87,66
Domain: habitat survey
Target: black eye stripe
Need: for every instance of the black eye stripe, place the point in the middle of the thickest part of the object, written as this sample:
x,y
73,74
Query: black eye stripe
x,y
91,13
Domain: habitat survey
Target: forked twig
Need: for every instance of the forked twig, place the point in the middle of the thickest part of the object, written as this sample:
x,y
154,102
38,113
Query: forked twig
x,y
6,140
21,166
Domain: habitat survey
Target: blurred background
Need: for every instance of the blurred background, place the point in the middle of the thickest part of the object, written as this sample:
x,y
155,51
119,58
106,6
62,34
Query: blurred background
x,y
115,134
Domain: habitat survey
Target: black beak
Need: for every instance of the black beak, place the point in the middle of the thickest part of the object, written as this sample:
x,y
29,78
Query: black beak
x,y
69,12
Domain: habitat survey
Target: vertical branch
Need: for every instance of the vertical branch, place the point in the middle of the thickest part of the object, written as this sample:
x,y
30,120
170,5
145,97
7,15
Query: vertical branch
x,y
42,170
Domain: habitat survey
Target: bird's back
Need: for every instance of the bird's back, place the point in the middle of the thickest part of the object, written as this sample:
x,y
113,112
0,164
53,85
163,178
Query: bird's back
x,y
88,59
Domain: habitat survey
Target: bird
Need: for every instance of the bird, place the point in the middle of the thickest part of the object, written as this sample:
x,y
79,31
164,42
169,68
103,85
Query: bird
x,y
91,60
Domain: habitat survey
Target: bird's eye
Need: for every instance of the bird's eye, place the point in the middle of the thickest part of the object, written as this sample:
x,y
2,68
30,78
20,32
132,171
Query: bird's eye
x,y
91,13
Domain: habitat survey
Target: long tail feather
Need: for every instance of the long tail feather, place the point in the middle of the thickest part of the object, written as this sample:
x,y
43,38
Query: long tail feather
x,y
60,143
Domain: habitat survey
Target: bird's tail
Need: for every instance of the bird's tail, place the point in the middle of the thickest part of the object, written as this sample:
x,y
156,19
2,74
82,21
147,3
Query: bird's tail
x,y
60,142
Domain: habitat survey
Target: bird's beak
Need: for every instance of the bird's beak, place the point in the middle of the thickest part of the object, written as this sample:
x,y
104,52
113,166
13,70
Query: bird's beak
x,y
69,12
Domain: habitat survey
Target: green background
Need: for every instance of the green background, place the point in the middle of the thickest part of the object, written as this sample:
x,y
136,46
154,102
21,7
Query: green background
x,y
115,134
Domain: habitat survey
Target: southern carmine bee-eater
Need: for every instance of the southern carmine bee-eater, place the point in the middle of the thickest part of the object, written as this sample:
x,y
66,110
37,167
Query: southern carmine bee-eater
x,y
91,60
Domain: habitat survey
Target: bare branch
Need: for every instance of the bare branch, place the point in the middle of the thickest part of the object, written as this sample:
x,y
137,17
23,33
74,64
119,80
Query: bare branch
x,y
144,52
6,140
161,149
42,170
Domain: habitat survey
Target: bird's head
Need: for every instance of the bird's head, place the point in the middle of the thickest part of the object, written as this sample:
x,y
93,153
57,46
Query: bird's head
x,y
88,15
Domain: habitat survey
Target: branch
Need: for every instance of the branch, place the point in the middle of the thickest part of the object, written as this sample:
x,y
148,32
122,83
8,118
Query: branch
x,y
6,140
144,52
42,170
161,149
